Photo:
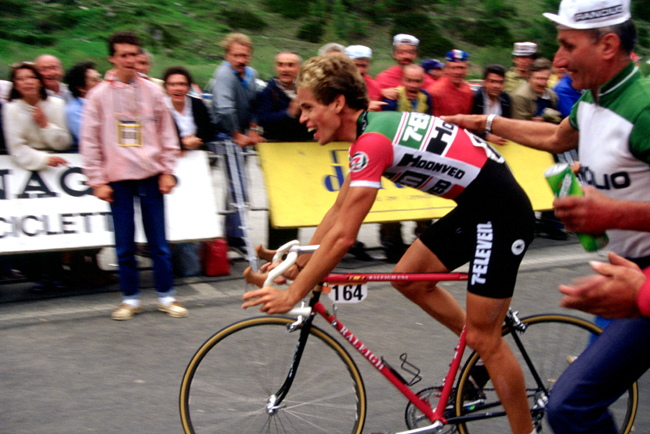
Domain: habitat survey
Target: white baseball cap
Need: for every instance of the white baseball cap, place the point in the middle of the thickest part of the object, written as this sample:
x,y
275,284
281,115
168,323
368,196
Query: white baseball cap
x,y
590,14
404,39
524,49
358,52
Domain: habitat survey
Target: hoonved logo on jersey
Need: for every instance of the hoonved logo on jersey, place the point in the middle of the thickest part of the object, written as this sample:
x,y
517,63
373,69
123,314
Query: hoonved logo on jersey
x,y
358,162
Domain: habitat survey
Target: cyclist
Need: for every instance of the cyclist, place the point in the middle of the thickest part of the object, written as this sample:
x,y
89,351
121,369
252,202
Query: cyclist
x,y
610,127
491,227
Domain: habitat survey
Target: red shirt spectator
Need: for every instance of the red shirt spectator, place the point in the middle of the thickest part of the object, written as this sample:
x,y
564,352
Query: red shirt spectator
x,y
405,51
451,95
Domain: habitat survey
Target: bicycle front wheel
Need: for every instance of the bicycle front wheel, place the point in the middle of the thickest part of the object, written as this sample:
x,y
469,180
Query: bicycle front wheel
x,y
231,378
552,342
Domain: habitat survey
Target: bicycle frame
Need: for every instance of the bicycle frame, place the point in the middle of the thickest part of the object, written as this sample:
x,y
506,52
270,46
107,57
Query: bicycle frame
x,y
306,315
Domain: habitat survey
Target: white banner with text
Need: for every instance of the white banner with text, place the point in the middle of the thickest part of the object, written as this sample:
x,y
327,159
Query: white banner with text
x,y
54,209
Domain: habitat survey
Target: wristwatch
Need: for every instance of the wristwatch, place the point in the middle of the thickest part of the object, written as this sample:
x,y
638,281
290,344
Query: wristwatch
x,y
488,124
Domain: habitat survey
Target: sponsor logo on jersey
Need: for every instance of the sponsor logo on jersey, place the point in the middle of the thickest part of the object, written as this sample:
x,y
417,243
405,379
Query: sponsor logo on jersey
x,y
417,126
431,166
605,181
358,162
484,237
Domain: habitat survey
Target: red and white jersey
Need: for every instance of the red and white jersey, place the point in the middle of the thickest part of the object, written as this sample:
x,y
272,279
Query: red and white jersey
x,y
419,151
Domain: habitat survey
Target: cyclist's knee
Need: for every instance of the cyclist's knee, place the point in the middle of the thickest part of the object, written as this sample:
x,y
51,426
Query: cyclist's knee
x,y
485,343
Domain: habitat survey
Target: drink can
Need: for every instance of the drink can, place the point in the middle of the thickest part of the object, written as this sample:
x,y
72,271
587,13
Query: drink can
x,y
564,183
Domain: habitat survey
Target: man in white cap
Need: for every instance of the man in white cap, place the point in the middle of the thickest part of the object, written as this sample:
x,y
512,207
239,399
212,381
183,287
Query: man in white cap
x,y
523,56
362,57
610,126
405,51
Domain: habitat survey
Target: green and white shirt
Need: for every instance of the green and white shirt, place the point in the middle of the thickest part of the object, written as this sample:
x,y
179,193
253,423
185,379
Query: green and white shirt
x,y
614,148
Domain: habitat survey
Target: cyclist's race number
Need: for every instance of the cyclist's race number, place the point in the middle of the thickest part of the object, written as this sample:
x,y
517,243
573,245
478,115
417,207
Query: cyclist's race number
x,y
348,293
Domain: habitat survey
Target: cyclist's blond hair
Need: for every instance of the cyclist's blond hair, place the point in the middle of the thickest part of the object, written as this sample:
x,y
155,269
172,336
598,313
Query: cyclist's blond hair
x,y
330,76
236,38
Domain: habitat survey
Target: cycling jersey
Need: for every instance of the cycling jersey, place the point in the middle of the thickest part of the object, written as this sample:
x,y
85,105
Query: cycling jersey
x,y
419,151
493,223
614,148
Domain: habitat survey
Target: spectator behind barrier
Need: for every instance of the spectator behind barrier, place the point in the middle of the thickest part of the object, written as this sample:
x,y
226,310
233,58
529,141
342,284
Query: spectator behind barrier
x,y
533,100
195,128
451,95
433,68
233,109
279,115
331,48
34,124
51,70
143,63
80,79
362,57
491,99
277,107
523,56
405,51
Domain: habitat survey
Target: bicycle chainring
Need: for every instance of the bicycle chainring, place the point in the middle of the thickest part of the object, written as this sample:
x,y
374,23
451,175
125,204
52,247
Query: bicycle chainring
x,y
416,419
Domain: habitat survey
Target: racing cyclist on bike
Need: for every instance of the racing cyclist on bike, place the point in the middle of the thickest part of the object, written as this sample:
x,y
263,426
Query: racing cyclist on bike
x,y
491,226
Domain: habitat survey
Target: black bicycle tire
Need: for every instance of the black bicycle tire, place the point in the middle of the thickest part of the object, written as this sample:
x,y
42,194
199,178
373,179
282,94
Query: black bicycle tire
x,y
214,340
633,392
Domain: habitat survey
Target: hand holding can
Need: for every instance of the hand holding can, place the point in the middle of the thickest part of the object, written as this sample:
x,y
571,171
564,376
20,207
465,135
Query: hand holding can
x,y
564,183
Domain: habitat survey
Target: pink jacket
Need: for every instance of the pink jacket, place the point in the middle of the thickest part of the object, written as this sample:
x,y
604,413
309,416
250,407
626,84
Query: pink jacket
x,y
107,104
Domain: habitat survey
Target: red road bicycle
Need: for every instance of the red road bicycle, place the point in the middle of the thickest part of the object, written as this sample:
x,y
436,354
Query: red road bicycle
x,y
283,374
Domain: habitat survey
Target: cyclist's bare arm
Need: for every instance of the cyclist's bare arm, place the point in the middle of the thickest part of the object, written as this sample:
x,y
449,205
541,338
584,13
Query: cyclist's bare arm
x,y
333,246
539,135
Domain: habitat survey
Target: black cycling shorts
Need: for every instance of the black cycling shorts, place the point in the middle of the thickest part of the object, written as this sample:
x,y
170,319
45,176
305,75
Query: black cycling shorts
x,y
491,228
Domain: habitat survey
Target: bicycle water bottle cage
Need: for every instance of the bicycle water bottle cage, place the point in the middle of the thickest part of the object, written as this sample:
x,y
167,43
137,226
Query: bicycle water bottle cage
x,y
411,369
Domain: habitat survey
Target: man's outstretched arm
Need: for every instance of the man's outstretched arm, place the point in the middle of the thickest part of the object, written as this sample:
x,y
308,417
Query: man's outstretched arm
x,y
538,135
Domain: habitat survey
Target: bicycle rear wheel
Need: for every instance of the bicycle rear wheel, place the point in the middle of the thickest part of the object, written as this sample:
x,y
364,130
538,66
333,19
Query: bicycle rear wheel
x,y
228,383
552,342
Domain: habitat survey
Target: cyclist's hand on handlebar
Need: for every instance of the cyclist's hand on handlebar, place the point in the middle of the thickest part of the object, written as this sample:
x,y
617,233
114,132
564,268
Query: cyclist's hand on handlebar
x,y
272,300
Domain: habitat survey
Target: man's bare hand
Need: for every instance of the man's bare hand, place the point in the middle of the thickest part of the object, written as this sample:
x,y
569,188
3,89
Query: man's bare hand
x,y
55,161
376,106
471,122
39,117
588,214
497,140
612,293
255,137
294,108
191,142
242,140
166,182
390,93
272,300
104,192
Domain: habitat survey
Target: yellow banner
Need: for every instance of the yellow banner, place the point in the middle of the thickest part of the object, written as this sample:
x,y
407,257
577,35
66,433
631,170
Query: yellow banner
x,y
303,179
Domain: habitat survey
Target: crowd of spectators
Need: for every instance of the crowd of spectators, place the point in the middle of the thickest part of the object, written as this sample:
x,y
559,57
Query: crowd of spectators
x,y
43,110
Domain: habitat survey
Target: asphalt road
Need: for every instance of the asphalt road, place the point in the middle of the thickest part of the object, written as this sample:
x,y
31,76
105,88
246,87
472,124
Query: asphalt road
x,y
66,367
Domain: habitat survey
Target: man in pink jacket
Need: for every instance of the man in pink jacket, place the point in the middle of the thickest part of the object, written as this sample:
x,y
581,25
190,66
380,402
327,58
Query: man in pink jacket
x,y
129,145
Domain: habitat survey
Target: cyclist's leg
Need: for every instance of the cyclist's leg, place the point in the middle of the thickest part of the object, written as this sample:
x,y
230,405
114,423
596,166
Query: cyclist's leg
x,y
484,320
433,299
604,371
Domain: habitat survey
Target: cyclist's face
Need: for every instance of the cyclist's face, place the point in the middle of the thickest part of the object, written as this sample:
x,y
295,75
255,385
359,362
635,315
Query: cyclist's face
x,y
316,115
